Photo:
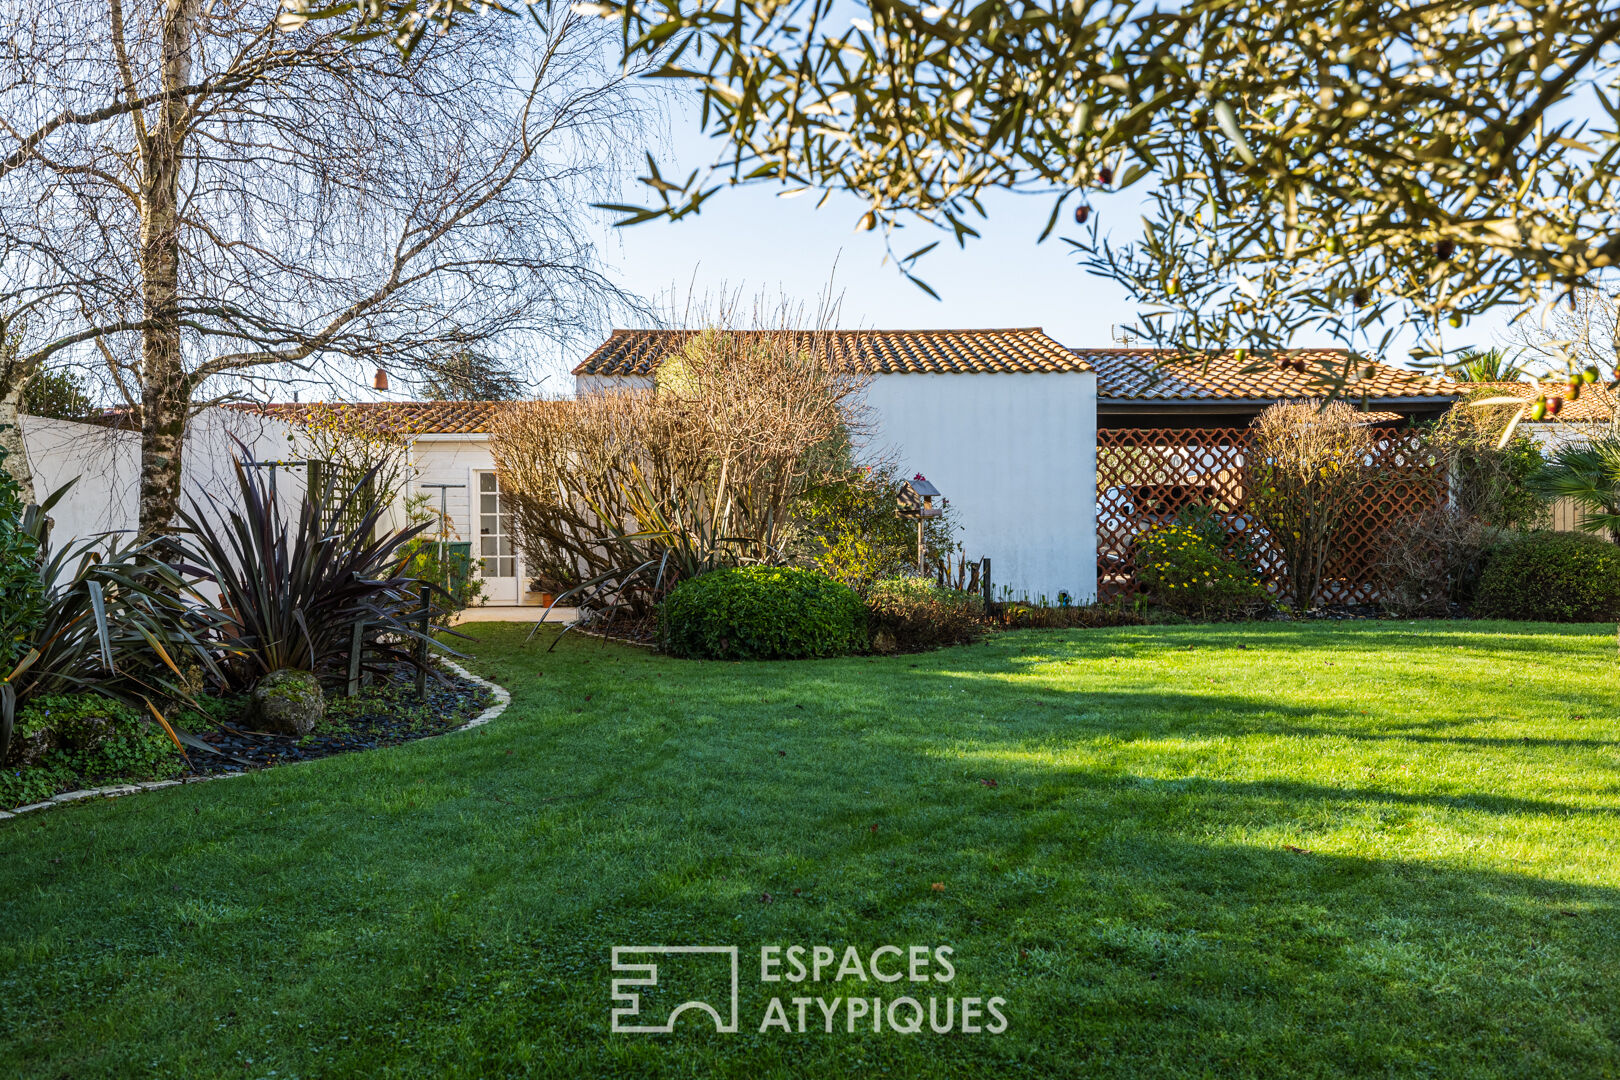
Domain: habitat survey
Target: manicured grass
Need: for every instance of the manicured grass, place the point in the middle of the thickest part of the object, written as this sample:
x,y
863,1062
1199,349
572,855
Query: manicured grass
x,y
1128,885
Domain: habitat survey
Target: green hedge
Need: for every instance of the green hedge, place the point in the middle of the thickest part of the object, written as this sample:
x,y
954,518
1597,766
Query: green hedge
x,y
762,613
1551,577
22,593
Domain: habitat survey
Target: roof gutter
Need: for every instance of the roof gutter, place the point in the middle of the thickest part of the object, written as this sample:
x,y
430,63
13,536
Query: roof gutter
x,y
1103,399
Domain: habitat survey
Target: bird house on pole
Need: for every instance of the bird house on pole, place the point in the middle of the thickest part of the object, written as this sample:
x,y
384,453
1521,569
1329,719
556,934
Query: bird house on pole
x,y
917,497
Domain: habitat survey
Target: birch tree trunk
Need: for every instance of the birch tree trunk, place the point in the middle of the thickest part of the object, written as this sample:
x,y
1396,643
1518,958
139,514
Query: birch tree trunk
x,y
14,372
11,441
163,379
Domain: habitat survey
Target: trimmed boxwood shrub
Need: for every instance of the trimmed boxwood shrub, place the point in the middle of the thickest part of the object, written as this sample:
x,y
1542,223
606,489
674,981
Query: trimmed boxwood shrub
x,y
914,613
762,613
1551,577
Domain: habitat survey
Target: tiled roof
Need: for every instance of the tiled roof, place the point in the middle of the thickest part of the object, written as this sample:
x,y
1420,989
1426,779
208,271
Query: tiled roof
x,y
878,352
1596,405
399,417
1137,374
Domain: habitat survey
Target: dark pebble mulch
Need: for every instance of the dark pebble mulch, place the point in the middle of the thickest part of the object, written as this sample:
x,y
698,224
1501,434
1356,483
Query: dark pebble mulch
x,y
386,713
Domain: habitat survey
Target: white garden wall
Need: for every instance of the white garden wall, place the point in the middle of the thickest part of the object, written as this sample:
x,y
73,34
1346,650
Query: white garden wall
x,y
107,465
1016,456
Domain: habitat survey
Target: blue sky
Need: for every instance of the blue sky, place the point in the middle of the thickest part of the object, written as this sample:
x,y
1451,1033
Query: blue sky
x,y
748,240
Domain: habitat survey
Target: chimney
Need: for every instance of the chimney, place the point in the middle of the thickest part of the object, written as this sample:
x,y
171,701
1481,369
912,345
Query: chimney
x,y
381,381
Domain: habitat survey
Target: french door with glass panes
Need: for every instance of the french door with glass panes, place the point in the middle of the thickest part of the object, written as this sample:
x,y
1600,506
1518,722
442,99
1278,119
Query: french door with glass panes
x,y
497,558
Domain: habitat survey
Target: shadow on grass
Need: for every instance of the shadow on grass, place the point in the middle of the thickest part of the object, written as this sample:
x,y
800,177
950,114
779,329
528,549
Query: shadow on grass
x,y
458,900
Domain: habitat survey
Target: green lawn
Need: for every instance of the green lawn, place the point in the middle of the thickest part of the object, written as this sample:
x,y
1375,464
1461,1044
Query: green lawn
x,y
1129,885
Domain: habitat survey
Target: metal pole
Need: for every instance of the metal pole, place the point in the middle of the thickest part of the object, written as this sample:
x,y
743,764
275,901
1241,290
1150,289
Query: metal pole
x,y
250,463
444,528
356,643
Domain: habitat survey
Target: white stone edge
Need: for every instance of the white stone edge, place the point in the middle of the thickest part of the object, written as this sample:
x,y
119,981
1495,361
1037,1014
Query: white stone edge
x,y
502,699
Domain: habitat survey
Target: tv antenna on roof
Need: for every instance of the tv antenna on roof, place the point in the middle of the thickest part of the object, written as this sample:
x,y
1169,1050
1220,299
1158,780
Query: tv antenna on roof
x,y
1121,337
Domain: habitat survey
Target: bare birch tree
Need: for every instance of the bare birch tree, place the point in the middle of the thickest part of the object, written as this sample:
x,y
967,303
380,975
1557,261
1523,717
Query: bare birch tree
x,y
206,199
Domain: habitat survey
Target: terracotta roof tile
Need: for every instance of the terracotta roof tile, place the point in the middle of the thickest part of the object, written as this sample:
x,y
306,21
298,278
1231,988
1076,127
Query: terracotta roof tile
x,y
402,417
879,352
1596,405
1135,374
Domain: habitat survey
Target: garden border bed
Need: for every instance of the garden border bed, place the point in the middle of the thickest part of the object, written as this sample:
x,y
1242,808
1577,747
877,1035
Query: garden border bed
x,y
503,698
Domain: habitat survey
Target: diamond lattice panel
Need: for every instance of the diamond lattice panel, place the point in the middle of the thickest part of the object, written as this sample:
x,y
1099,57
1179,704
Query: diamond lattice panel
x,y
1146,477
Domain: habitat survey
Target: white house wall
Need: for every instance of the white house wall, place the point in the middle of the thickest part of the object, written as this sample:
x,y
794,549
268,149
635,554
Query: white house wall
x,y
1016,456
590,384
106,466
447,460
457,459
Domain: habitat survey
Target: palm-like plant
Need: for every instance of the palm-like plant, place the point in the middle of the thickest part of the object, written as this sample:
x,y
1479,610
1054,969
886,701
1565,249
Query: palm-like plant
x,y
1487,365
116,620
1589,474
291,592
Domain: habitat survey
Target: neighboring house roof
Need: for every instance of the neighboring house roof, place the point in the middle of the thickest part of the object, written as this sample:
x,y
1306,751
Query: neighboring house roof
x,y
399,417
1596,405
628,353
1153,374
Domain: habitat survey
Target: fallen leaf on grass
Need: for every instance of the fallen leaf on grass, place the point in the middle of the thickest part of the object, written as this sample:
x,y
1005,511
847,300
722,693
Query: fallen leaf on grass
x,y
765,897
938,886
989,783
1297,850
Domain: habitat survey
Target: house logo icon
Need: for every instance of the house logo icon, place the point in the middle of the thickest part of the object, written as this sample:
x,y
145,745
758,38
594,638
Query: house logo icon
x,y
640,965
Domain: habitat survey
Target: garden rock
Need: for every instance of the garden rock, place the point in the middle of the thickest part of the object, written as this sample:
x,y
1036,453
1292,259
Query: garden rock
x,y
289,702
28,747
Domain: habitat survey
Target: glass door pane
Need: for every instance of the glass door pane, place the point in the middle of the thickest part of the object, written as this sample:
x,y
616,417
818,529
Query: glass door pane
x,y
496,555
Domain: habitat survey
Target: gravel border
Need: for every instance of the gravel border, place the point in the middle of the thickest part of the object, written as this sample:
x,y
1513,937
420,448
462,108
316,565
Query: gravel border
x,y
502,699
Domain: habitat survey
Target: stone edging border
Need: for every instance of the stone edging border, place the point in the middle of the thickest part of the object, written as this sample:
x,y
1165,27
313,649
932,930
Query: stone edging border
x,y
502,699
616,639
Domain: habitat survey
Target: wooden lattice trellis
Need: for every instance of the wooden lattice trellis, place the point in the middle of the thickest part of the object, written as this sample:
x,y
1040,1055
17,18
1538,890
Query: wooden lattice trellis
x,y
1147,476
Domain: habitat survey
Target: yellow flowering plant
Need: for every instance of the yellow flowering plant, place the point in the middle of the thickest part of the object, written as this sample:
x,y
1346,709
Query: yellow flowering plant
x,y
1180,569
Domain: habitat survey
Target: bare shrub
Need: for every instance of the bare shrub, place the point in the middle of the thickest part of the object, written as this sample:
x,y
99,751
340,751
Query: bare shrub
x,y
357,441
1432,561
701,471
1309,466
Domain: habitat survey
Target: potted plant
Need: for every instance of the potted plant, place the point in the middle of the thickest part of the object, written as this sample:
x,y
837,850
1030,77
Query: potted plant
x,y
544,588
